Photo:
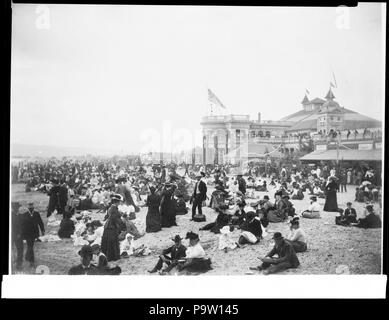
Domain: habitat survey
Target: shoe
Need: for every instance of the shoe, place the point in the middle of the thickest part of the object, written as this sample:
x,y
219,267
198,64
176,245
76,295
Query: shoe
x,y
255,268
152,271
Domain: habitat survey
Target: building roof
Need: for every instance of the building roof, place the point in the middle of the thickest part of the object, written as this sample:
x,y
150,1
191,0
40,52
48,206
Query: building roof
x,y
305,100
330,95
317,101
352,120
346,155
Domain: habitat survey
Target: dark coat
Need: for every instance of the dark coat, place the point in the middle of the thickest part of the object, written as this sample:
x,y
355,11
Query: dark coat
x,y
254,227
112,228
175,252
331,203
80,270
202,196
285,253
153,217
66,228
31,225
168,209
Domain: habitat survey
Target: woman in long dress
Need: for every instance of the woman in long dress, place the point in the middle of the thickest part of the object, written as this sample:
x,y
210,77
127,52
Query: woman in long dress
x,y
168,208
112,228
153,217
330,190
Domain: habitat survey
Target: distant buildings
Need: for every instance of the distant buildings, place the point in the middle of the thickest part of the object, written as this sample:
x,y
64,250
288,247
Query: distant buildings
x,y
320,124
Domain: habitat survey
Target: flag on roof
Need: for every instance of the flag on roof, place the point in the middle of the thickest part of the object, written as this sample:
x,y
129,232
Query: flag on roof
x,y
332,85
214,99
306,91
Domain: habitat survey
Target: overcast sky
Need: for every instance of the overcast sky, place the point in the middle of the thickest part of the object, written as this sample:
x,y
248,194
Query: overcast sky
x,y
104,76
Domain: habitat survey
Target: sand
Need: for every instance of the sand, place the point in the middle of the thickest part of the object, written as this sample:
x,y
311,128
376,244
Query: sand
x,y
329,245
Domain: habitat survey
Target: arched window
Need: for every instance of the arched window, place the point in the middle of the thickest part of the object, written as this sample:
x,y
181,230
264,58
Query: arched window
x,y
260,133
267,134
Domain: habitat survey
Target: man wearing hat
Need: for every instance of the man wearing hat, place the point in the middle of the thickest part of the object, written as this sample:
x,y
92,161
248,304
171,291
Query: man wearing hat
x,y
195,259
31,223
287,257
199,195
17,238
313,211
86,267
176,251
53,194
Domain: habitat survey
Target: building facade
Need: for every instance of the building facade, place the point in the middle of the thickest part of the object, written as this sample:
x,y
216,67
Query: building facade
x,y
235,138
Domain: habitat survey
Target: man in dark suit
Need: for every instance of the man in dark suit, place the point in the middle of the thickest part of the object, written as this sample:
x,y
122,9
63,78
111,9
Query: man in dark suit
x,y
17,238
199,195
177,252
54,198
31,222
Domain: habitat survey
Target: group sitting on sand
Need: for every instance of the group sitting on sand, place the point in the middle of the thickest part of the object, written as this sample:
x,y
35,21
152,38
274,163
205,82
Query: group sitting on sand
x,y
116,192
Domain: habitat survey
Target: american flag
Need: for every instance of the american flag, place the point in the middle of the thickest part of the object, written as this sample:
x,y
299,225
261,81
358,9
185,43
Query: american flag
x,y
215,100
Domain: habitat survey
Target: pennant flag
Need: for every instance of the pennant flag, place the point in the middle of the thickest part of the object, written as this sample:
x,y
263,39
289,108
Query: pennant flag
x,y
212,98
336,85
332,85
306,91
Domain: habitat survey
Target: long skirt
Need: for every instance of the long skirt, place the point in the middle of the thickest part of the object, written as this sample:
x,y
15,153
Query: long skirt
x,y
153,220
168,214
331,203
275,216
110,244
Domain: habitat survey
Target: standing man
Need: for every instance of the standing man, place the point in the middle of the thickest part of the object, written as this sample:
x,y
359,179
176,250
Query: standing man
x,y
54,198
31,223
343,181
241,184
17,238
199,194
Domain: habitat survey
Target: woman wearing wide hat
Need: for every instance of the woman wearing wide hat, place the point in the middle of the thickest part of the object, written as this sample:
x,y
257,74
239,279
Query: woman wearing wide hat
x,y
153,217
112,228
168,208
330,190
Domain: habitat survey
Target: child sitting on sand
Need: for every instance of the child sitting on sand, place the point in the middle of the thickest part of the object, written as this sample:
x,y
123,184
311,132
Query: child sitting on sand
x,y
225,241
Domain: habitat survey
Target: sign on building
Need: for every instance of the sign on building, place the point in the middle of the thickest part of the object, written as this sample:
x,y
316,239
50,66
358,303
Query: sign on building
x,y
365,146
321,147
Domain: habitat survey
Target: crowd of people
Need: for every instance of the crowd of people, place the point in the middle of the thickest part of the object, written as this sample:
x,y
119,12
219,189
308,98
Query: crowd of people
x,y
75,189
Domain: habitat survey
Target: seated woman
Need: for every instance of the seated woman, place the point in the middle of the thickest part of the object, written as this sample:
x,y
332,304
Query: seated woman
x,y
262,188
131,228
98,230
240,214
297,237
289,208
222,219
225,241
313,211
359,195
371,220
278,214
195,257
103,266
297,193
252,229
181,208
66,228
350,215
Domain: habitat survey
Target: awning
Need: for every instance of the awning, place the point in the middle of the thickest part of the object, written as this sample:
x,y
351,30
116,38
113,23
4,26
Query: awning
x,y
346,155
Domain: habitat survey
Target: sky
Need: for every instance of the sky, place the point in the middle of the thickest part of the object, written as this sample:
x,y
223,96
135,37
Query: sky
x,y
135,78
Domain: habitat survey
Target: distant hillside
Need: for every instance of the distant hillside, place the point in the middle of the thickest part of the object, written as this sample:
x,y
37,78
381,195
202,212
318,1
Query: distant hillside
x,y
25,150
